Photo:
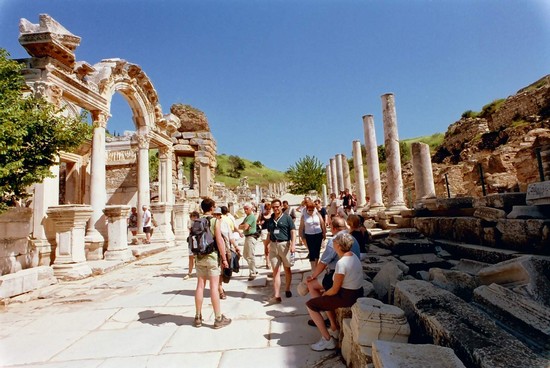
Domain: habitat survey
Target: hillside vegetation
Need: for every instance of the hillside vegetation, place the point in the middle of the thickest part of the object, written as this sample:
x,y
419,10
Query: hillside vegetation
x,y
257,173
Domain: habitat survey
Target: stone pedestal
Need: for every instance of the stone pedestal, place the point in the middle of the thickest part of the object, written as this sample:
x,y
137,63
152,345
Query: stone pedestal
x,y
70,257
373,320
538,193
163,234
180,222
117,230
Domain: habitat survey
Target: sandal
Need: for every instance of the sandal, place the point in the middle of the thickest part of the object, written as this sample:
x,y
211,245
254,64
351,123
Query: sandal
x,y
222,295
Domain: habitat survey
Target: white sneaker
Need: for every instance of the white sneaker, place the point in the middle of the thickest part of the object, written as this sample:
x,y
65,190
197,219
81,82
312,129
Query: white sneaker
x,y
324,344
335,334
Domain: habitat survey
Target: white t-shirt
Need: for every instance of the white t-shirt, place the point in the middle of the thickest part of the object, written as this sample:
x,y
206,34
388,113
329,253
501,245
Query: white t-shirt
x,y
312,223
351,268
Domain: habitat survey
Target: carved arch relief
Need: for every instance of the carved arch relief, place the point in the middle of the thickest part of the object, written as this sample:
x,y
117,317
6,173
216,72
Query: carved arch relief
x,y
117,75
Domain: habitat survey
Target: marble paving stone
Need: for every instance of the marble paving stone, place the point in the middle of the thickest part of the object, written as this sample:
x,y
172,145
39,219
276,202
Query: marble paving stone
x,y
284,332
187,339
111,343
85,320
180,360
274,357
69,364
14,349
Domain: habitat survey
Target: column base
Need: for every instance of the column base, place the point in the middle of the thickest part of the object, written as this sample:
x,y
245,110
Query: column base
x,y
71,271
119,255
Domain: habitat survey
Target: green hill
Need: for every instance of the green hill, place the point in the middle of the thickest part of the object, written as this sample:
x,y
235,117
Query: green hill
x,y
257,173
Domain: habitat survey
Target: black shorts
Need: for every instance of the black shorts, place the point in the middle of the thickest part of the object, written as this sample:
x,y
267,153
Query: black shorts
x,y
327,280
344,299
147,229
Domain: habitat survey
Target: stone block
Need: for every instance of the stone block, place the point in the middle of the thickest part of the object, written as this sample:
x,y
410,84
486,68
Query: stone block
x,y
525,235
385,280
529,212
407,246
538,193
423,262
528,275
387,354
347,340
470,266
474,251
453,323
468,230
373,320
18,283
427,226
503,201
489,214
457,282
530,321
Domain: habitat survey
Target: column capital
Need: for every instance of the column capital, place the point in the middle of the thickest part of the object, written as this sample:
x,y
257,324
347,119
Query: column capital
x,y
99,119
142,141
166,152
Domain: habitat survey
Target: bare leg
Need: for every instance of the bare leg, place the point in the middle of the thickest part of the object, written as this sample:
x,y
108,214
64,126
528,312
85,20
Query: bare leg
x,y
191,264
288,278
332,318
277,281
320,323
215,297
199,295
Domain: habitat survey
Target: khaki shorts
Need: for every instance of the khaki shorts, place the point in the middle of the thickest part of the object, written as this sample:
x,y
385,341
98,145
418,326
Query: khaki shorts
x,y
207,265
279,252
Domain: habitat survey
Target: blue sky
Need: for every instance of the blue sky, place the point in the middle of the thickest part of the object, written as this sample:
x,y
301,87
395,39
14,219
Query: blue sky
x,y
279,80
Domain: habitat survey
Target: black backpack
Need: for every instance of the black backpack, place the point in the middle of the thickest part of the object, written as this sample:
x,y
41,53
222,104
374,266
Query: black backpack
x,y
201,240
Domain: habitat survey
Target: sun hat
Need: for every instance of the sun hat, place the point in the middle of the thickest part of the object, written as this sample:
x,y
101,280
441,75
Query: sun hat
x,y
302,288
217,210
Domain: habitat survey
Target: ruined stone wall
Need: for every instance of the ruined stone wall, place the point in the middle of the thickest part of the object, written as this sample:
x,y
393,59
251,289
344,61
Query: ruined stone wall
x,y
527,102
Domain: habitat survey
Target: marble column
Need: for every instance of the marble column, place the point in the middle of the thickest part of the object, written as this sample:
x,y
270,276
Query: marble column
x,y
373,167
334,176
347,176
422,169
117,230
165,174
258,194
324,191
144,195
359,174
394,183
163,233
96,232
340,173
329,178
70,229
204,176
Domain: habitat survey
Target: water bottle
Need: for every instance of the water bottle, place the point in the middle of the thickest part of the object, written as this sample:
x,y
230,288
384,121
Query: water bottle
x,y
292,258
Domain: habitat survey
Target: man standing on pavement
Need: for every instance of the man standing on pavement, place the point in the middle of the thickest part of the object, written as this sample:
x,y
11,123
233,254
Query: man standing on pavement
x,y
248,227
208,269
147,220
282,236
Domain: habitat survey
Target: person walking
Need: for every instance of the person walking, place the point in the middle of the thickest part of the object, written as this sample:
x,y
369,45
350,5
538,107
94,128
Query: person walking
x,y
282,237
249,229
312,231
208,269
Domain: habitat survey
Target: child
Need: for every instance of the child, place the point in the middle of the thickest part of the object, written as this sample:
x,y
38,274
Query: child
x,y
192,217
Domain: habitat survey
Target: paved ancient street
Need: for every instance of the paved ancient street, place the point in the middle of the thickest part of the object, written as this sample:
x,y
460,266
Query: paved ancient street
x,y
141,314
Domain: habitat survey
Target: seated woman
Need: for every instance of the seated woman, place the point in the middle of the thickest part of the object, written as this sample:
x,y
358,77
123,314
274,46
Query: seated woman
x,y
347,287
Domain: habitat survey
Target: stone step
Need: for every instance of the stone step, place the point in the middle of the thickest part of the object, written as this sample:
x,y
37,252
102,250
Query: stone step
x,y
454,323
478,252
387,354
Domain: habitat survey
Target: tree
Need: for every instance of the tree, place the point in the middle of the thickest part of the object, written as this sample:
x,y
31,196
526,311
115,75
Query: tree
x,y
306,174
236,166
32,133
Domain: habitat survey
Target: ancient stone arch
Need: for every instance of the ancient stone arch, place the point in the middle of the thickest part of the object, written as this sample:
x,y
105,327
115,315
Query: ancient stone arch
x,y
53,72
